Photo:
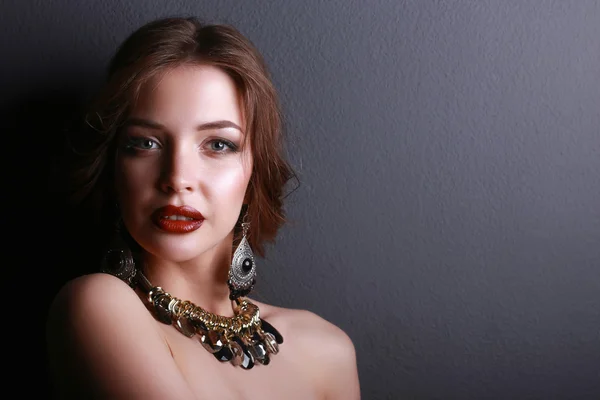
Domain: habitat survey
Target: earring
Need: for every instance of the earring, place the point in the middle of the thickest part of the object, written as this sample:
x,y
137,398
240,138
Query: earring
x,y
118,259
242,272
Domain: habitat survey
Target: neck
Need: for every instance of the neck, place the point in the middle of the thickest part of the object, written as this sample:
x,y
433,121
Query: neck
x,y
202,280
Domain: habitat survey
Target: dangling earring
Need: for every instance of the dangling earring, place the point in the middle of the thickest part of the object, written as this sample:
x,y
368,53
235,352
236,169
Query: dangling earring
x,y
242,272
118,259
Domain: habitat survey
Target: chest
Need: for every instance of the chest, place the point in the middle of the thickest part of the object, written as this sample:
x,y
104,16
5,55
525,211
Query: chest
x,y
288,375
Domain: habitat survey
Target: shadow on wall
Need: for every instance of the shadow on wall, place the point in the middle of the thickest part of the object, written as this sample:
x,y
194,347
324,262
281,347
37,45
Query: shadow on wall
x,y
49,242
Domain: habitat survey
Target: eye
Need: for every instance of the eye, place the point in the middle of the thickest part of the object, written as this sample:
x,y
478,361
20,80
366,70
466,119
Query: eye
x,y
221,146
142,144
146,144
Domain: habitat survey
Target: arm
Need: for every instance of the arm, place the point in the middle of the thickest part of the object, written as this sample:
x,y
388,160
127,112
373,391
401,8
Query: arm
x,y
104,344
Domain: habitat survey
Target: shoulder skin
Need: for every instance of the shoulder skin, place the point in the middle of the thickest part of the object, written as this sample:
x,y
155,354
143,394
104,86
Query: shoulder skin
x,y
326,349
96,329
336,356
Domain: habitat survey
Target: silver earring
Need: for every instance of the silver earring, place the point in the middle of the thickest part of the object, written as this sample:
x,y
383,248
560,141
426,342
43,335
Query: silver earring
x,y
118,258
242,272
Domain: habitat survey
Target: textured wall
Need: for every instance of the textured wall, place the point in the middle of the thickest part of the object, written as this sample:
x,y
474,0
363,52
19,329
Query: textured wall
x,y
449,154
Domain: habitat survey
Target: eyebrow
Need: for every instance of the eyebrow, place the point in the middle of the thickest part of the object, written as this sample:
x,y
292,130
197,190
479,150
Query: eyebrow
x,y
146,123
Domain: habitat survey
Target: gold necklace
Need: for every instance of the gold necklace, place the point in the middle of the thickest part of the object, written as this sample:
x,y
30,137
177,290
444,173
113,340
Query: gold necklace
x,y
243,340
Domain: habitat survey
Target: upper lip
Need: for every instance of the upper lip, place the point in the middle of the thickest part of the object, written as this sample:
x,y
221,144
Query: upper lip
x,y
184,211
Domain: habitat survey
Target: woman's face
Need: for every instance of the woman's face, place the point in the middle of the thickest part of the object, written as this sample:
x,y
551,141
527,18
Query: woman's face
x,y
182,147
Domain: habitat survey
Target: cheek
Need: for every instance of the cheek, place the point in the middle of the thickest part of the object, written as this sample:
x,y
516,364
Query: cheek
x,y
228,180
132,180
229,185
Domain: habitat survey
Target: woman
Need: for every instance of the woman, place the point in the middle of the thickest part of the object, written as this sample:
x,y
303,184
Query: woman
x,y
186,158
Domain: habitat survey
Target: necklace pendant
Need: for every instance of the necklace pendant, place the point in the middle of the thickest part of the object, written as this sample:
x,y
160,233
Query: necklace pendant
x,y
271,343
267,327
247,360
258,351
184,326
161,308
225,354
237,353
212,341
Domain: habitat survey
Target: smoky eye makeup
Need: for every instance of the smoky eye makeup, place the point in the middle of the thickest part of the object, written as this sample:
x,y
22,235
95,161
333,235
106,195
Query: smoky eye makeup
x,y
142,143
136,138
220,145
134,143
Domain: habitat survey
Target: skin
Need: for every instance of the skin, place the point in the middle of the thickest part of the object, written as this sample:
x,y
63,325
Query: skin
x,y
104,344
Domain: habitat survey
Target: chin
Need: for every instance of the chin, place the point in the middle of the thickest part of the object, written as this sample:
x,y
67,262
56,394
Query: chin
x,y
176,248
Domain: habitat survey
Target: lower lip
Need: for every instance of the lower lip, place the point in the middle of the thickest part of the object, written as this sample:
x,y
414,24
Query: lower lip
x,y
177,226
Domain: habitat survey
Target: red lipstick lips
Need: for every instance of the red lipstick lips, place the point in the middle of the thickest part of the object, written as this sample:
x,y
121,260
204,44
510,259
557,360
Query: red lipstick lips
x,y
175,219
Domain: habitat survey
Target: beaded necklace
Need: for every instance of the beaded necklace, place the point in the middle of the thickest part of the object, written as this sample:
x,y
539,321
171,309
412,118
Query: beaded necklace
x,y
244,339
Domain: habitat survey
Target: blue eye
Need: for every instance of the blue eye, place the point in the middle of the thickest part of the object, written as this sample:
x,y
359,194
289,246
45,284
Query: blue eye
x,y
221,146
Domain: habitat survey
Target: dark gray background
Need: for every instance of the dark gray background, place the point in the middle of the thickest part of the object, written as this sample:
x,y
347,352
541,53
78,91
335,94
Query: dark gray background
x,y
449,152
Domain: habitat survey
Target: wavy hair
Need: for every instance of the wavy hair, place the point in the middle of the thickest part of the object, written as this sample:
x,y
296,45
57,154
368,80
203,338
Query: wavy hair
x,y
167,43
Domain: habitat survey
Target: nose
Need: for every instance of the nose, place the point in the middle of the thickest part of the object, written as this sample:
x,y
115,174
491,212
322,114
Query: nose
x,y
177,175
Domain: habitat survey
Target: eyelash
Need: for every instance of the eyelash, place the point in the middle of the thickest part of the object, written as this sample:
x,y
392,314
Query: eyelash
x,y
232,147
133,145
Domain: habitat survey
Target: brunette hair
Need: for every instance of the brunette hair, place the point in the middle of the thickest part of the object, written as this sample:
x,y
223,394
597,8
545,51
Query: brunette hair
x,y
167,43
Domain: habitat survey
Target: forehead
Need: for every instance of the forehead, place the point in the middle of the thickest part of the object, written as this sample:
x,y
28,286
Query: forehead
x,y
189,95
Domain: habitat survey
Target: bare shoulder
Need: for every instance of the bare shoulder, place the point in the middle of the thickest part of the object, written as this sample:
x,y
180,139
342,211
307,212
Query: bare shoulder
x,y
90,288
98,330
327,350
90,301
80,301
305,326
